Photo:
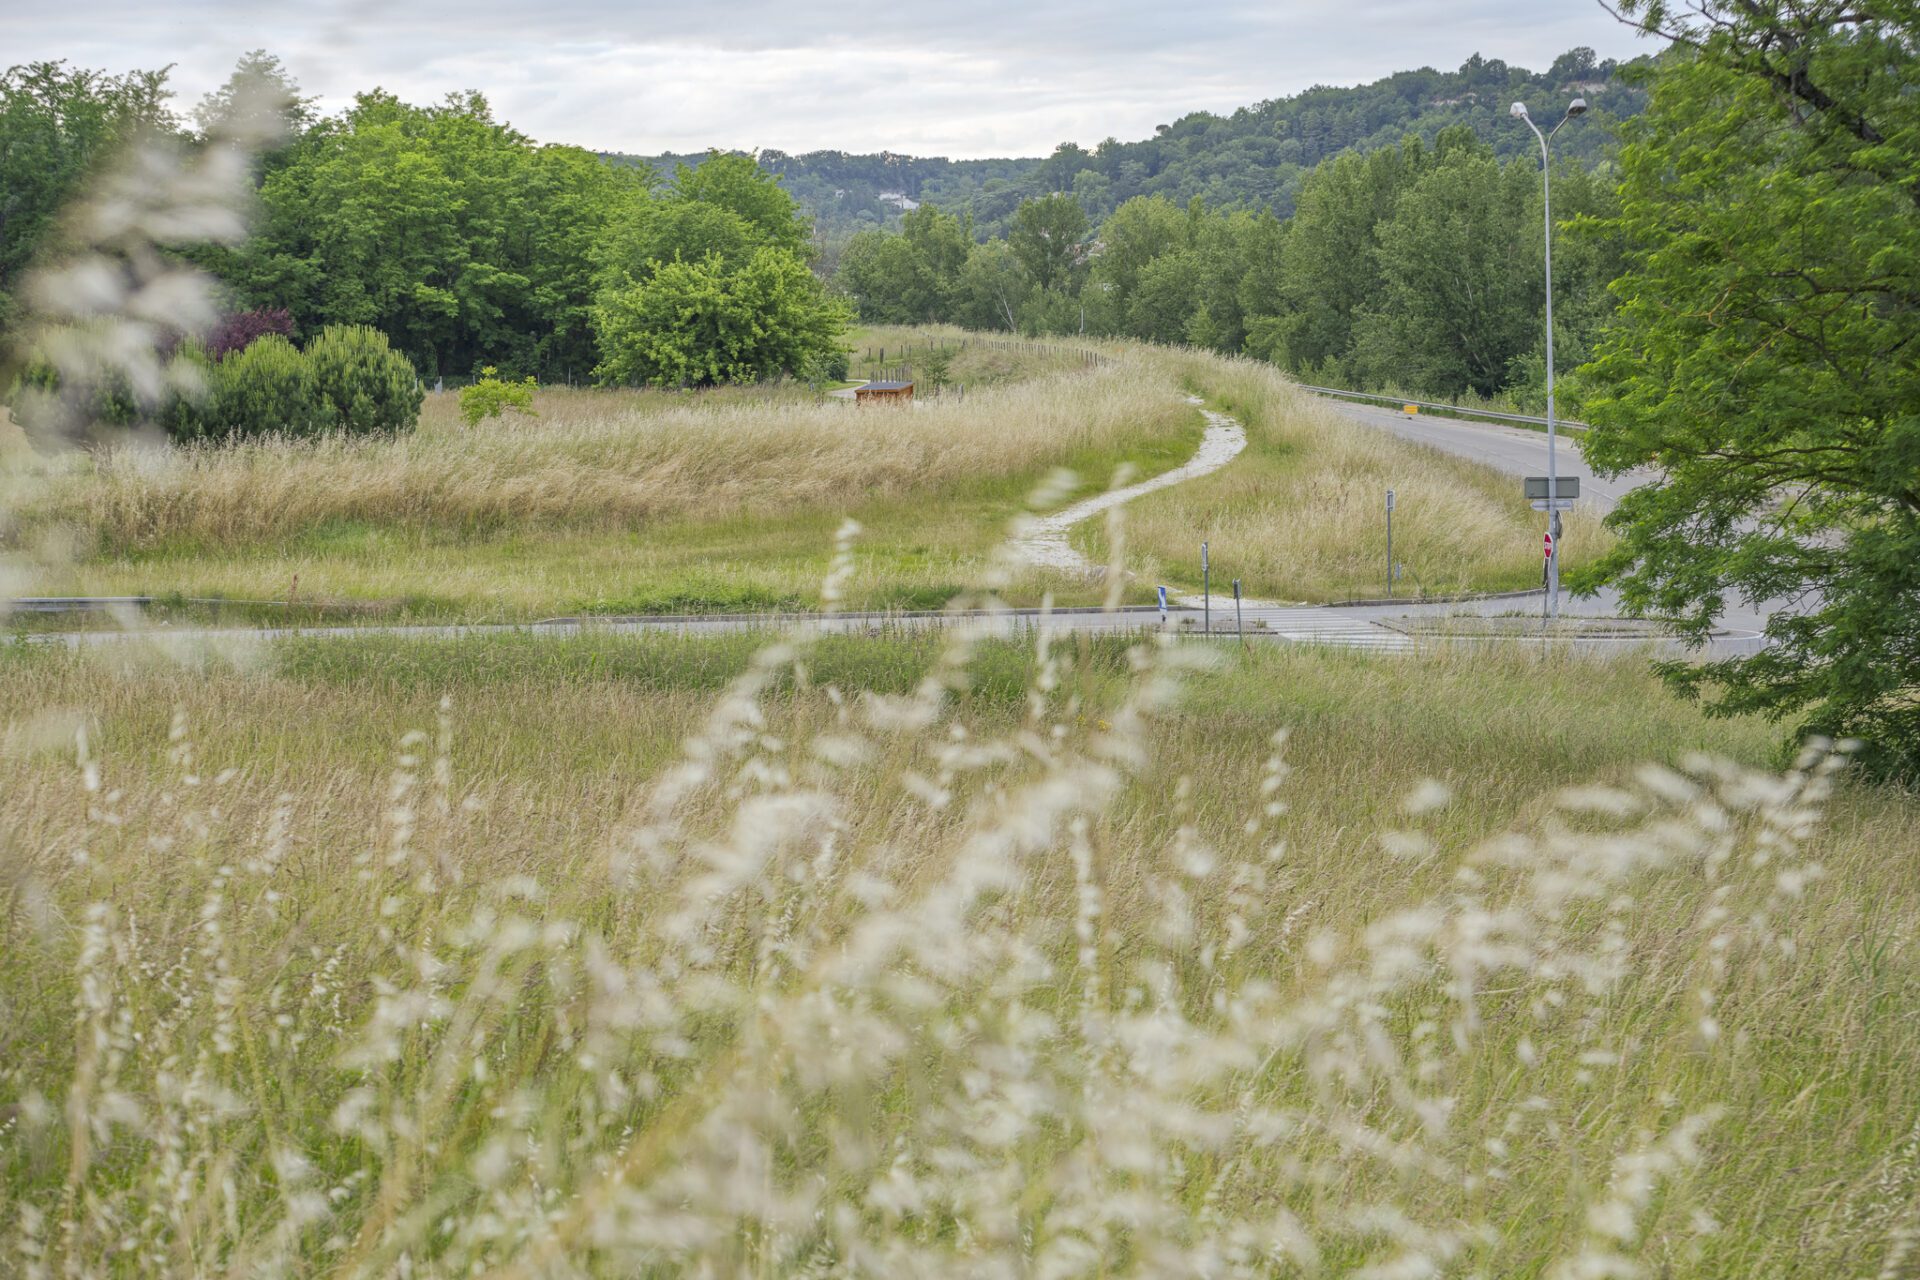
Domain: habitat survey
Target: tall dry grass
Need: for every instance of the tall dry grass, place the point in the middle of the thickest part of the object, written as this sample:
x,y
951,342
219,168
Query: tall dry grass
x,y
580,464
906,981
1302,515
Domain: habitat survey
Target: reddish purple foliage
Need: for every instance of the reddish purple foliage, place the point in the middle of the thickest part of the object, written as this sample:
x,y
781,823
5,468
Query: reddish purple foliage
x,y
236,332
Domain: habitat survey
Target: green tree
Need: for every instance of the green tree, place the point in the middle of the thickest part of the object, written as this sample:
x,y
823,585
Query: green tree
x,y
907,278
56,125
491,396
367,385
1163,299
1047,237
700,322
267,388
992,289
676,231
1140,231
739,185
941,244
1764,357
1460,290
1332,269
887,280
447,230
259,82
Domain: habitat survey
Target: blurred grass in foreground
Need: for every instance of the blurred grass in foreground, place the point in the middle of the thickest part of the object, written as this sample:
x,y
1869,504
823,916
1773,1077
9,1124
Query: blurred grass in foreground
x,y
665,955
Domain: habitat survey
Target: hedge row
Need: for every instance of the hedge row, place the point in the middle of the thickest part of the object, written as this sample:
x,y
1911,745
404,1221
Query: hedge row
x,y
349,380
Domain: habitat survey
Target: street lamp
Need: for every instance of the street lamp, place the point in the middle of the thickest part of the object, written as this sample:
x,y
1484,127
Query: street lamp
x,y
1519,111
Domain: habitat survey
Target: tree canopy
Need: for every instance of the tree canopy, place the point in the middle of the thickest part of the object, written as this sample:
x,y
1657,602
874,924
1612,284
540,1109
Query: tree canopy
x,y
1766,357
57,124
456,235
1254,158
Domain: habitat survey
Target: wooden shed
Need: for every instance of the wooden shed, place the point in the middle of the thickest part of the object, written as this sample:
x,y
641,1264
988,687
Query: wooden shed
x,y
884,393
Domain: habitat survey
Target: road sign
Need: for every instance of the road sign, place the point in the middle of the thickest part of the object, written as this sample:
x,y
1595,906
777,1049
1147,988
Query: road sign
x,y
1547,547
1554,504
1389,499
1569,487
1163,606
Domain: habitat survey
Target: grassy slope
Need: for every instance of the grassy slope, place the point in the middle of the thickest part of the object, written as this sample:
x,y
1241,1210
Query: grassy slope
x,y
613,502
1806,1171
653,502
1300,515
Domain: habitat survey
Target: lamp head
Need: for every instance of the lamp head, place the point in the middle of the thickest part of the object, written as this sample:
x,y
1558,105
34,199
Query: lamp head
x,y
1577,107
1519,110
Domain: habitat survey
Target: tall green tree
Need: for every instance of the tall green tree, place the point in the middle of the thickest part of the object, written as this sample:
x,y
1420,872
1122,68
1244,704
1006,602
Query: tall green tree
x,y
1047,237
888,282
1138,233
1766,356
1333,269
57,124
739,185
450,231
696,323
993,288
909,277
1460,288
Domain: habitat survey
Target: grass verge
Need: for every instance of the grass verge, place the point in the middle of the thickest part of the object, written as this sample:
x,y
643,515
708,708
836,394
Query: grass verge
x,y
1300,516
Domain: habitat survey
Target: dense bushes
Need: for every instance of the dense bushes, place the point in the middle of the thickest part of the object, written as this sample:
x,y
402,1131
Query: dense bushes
x,y
348,380
368,386
267,386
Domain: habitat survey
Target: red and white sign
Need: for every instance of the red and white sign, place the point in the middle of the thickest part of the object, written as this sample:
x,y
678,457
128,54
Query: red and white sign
x,y
1547,550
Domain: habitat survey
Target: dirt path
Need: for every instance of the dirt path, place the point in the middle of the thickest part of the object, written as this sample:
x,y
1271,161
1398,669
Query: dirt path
x,y
1046,543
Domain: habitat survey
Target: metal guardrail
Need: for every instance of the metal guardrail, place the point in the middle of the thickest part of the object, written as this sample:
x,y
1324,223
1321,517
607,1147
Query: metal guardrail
x,y
1461,410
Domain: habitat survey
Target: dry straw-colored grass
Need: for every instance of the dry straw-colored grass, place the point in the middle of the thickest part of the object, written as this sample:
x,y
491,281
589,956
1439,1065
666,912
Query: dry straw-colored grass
x,y
597,459
515,517
1301,516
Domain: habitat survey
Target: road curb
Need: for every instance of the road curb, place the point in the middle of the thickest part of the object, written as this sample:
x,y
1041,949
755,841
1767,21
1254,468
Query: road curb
x,y
1455,599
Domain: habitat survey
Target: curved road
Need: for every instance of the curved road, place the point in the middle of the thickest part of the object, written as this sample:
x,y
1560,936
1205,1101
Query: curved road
x,y
1520,452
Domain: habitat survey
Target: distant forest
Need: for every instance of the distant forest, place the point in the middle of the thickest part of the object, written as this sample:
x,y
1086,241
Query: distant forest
x,y
1255,158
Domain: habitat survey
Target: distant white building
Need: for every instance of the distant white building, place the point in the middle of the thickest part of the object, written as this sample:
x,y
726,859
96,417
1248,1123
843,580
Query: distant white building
x,y
899,200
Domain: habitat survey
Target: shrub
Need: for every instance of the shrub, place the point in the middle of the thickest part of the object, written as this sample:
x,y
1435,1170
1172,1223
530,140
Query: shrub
x,y
267,387
490,396
237,332
49,408
830,367
368,385
183,409
707,321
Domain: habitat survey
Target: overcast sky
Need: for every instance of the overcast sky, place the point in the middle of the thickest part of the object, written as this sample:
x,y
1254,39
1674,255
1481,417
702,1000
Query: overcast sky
x,y
962,78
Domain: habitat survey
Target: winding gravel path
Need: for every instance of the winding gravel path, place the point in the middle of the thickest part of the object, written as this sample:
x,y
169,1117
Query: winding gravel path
x,y
1046,545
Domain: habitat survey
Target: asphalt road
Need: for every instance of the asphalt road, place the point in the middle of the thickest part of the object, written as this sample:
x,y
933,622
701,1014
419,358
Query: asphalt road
x,y
1521,452
1514,450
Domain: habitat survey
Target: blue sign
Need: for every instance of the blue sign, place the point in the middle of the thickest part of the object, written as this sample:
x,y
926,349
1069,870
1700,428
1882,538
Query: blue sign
x,y
1163,606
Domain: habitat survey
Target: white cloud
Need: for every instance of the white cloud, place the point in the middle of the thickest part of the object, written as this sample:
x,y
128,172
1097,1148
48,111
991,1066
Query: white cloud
x,y
996,77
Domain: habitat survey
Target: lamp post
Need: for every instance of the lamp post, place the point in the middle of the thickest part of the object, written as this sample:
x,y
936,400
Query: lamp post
x,y
1519,111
